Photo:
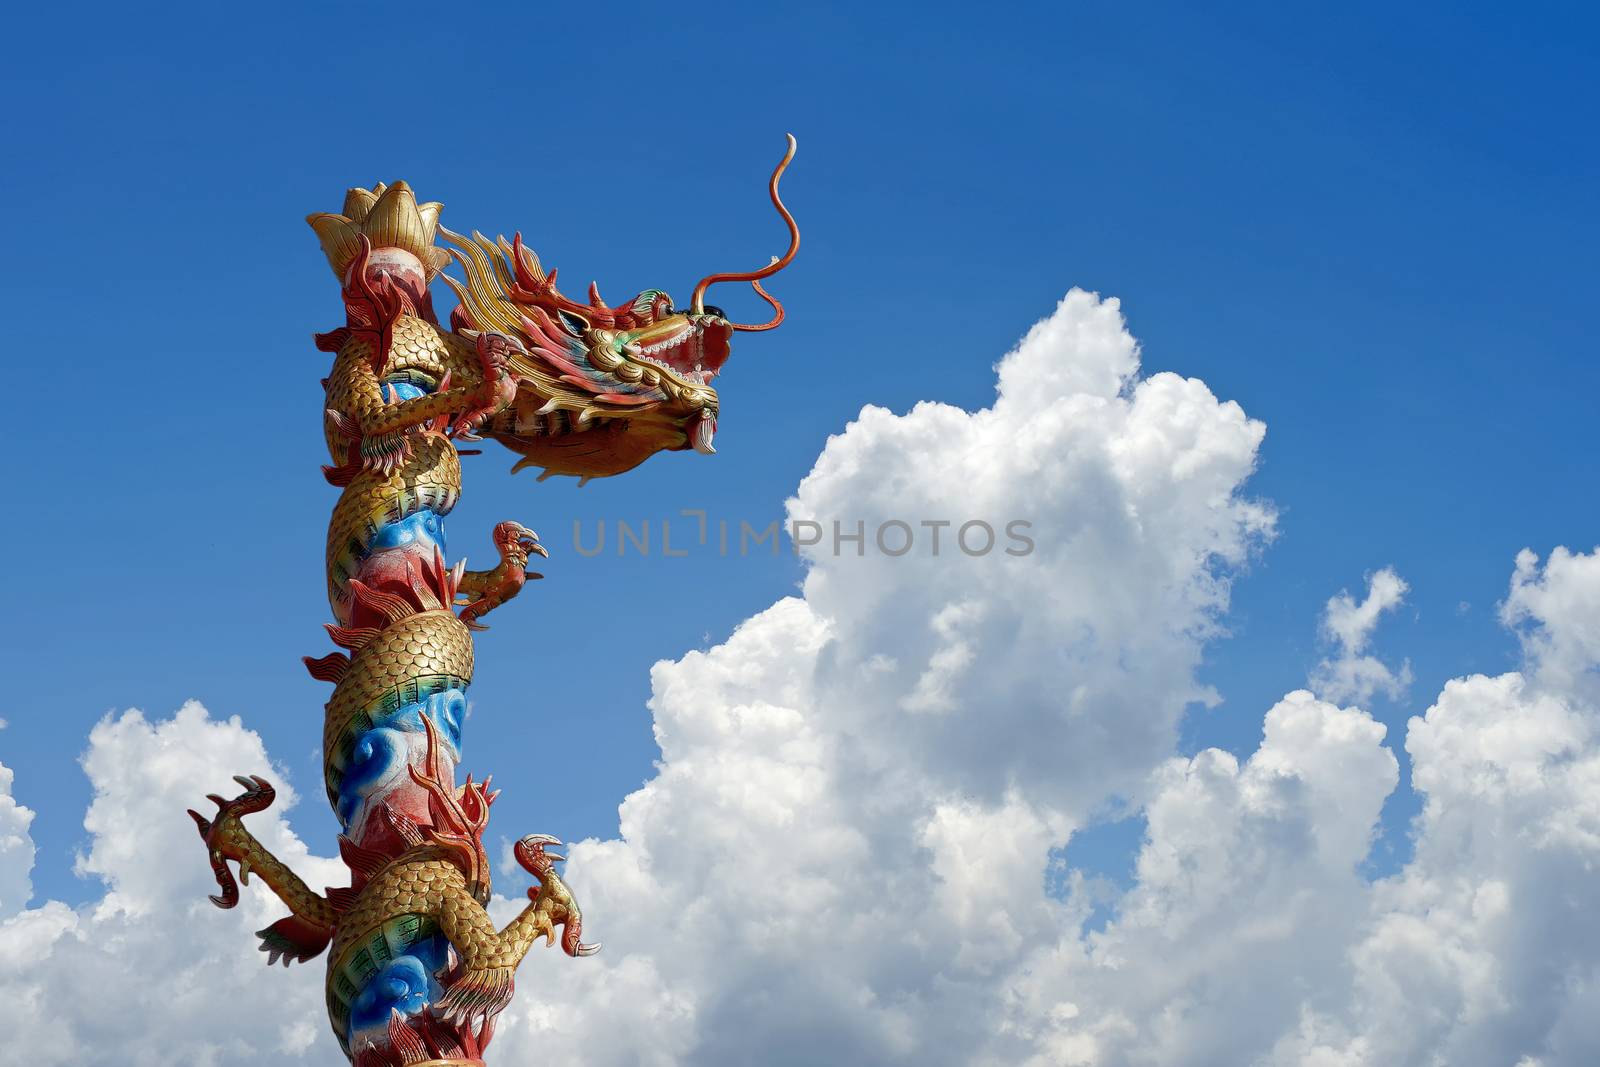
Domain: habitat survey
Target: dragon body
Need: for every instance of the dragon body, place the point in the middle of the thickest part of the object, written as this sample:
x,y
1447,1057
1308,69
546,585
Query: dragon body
x,y
416,971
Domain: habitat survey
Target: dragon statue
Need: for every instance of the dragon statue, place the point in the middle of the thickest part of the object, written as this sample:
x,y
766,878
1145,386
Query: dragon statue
x,y
417,973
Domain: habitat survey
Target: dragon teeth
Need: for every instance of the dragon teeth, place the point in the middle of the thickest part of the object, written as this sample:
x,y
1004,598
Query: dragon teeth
x,y
698,376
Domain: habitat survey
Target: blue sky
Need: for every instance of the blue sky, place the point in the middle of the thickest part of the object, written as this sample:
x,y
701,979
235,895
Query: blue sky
x,y
1372,228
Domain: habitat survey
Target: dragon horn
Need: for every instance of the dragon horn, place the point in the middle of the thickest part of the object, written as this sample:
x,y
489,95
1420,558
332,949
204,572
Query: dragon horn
x,y
698,301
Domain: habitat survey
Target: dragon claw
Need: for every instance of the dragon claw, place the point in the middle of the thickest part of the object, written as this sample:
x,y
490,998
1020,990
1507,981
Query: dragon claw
x,y
530,853
487,590
551,897
221,834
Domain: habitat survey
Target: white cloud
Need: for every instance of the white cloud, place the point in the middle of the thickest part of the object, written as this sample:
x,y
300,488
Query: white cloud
x,y
1556,612
16,849
1352,674
1247,895
844,854
1486,948
151,973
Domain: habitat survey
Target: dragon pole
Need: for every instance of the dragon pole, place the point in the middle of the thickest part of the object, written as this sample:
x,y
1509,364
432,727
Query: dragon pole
x,y
417,973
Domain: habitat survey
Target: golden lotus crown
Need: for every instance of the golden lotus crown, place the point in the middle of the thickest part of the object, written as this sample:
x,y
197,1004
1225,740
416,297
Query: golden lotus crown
x,y
389,216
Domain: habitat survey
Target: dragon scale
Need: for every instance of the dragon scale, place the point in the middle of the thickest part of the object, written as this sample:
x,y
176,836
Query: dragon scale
x,y
416,971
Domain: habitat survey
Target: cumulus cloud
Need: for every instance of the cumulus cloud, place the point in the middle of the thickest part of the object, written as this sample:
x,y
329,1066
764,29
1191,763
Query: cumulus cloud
x,y
1352,673
1554,610
16,849
843,856
1246,897
151,973
1485,949
846,852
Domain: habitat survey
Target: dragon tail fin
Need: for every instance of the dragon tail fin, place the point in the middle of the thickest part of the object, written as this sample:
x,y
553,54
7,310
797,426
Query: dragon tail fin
x,y
294,940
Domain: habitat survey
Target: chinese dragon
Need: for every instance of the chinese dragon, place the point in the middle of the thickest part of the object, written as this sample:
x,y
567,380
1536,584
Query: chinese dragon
x,y
417,972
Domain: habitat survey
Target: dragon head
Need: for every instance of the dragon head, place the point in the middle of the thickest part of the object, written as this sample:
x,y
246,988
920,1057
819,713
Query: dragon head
x,y
602,388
